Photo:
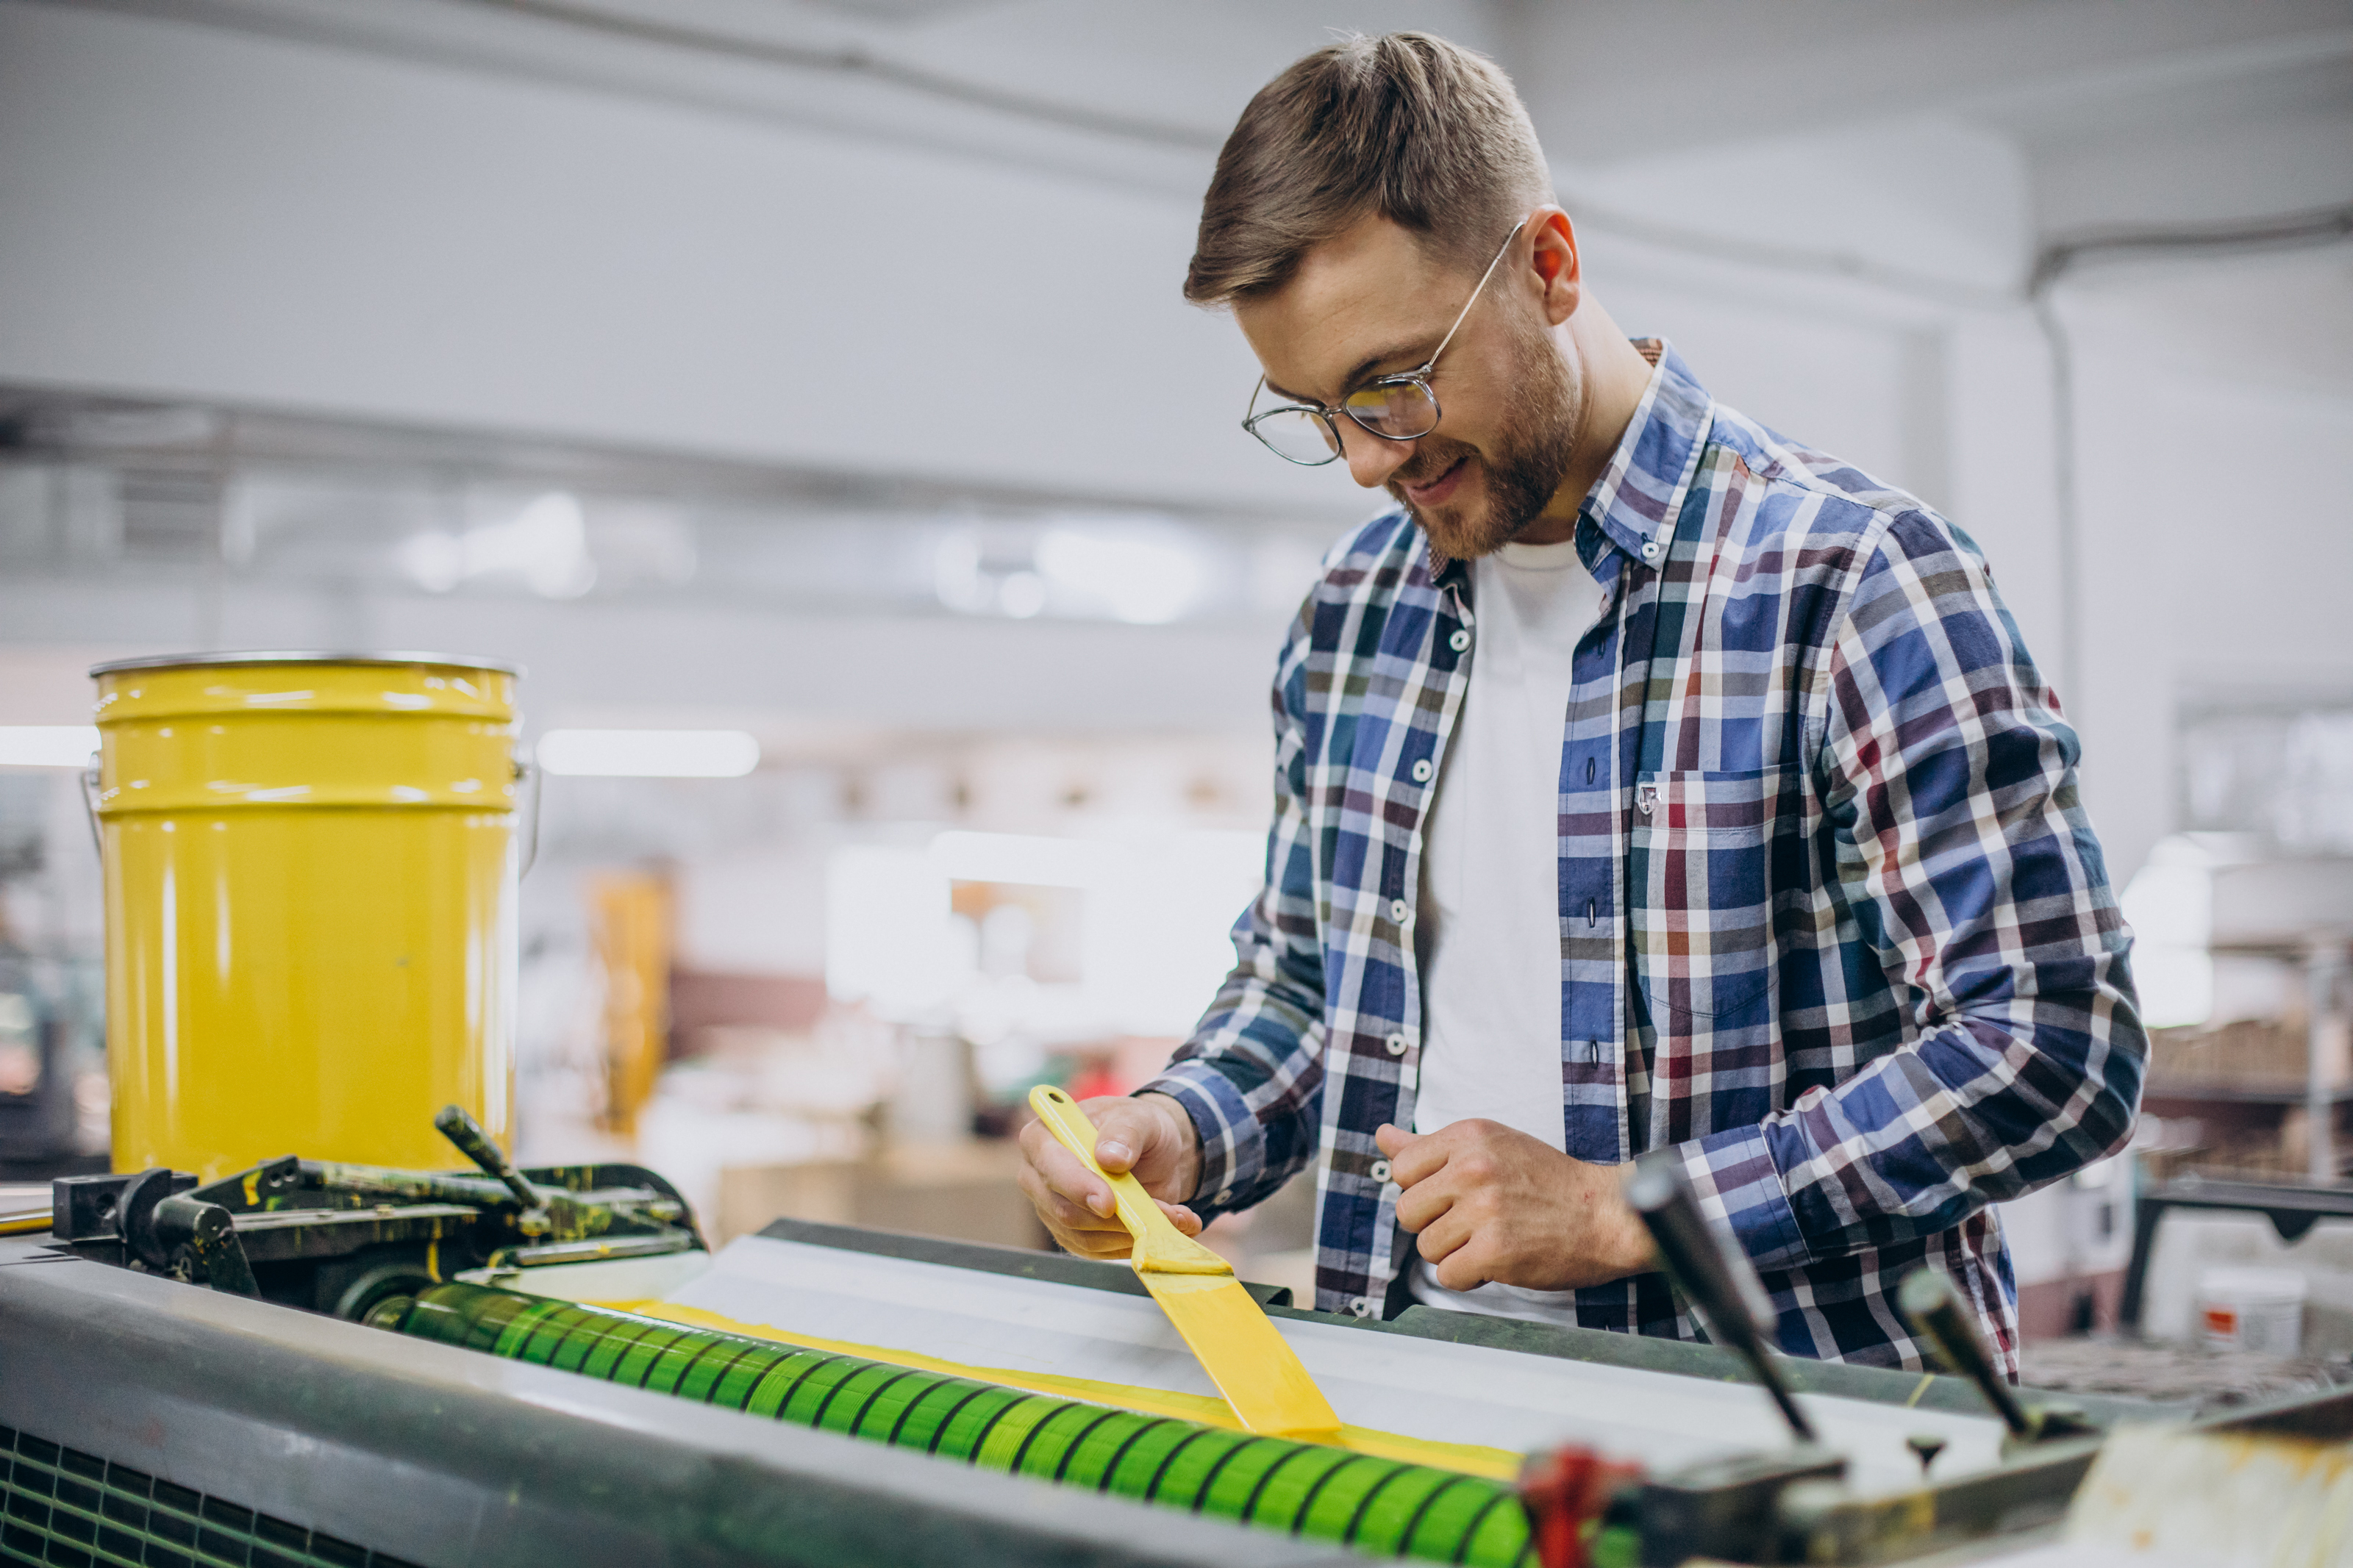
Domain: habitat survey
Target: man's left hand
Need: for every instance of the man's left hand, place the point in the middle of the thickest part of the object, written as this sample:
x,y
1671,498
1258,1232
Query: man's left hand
x,y
1489,1203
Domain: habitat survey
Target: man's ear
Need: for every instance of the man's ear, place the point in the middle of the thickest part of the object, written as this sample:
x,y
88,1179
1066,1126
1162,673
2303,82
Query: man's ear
x,y
1553,260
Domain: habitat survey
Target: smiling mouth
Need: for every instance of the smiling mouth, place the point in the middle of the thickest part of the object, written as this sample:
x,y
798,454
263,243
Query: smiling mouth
x,y
1434,492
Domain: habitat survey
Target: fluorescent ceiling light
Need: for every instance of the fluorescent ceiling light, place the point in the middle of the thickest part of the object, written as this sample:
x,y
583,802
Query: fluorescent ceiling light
x,y
649,753
1020,857
47,746
1141,579
546,544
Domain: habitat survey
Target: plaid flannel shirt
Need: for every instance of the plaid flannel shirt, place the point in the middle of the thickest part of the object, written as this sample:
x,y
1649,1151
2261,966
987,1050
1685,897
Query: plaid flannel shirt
x,y
1833,923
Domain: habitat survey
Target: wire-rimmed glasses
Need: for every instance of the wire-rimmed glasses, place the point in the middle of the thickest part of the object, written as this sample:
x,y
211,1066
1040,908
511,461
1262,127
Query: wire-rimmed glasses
x,y
1395,408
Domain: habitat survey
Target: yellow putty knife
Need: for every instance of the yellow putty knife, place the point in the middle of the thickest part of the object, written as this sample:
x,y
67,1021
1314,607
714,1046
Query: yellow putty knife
x,y
1251,1364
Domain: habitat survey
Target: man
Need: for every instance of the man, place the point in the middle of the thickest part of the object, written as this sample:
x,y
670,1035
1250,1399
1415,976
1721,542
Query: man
x,y
1644,780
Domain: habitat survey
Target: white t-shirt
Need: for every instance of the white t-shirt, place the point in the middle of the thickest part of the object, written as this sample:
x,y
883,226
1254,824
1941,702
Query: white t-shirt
x,y
1487,933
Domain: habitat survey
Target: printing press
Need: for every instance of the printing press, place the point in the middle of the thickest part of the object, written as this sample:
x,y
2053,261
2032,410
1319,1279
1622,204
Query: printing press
x,y
309,1362
282,1333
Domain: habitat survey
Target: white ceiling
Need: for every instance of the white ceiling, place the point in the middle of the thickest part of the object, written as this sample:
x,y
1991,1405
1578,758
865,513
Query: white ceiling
x,y
2151,112
2148,111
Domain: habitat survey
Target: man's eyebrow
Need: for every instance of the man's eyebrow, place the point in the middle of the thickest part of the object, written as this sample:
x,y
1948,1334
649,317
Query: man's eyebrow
x,y
1362,368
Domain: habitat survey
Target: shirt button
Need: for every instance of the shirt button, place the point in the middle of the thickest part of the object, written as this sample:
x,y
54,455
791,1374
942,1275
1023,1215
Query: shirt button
x,y
1223,1194
1421,771
1396,1044
1380,1171
1460,640
1360,1308
1650,551
1400,912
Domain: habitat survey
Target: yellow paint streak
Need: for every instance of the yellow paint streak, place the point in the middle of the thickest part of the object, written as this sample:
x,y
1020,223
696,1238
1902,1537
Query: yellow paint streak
x,y
1470,1459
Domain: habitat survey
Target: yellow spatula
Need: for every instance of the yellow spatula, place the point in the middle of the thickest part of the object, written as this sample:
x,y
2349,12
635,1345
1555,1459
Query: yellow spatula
x,y
1244,1356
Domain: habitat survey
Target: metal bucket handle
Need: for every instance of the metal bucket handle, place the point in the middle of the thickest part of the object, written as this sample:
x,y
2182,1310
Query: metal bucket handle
x,y
89,777
530,774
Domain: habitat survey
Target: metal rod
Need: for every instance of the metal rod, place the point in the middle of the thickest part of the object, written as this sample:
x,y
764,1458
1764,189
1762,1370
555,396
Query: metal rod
x,y
1714,1278
466,1133
1932,1306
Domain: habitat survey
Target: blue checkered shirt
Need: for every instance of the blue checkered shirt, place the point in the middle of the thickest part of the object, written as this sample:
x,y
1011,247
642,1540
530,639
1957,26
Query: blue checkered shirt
x,y
1833,923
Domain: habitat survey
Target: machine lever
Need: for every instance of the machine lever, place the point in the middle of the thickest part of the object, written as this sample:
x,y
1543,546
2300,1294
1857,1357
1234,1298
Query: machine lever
x,y
466,1133
1715,1278
207,1234
1931,1305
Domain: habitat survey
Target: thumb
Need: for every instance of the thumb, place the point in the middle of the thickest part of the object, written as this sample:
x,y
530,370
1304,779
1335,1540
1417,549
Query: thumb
x,y
1388,1140
1125,1132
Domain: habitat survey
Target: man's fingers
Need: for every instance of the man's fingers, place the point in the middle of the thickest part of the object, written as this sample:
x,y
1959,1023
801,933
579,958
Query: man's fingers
x,y
1420,1206
1097,1243
1180,1217
1052,1208
1442,1240
1060,1189
1389,1139
1066,1173
1075,1230
1418,1159
1464,1269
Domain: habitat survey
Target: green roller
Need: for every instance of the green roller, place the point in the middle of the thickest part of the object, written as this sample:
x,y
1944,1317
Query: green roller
x,y
1308,1489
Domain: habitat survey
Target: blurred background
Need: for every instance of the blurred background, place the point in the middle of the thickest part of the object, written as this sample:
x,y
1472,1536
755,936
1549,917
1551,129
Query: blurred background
x,y
801,391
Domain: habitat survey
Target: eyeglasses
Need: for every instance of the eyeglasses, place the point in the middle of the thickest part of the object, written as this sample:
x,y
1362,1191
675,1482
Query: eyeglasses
x,y
1394,407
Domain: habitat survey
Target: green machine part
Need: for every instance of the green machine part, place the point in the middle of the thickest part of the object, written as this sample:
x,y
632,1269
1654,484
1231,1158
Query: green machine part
x,y
1308,1489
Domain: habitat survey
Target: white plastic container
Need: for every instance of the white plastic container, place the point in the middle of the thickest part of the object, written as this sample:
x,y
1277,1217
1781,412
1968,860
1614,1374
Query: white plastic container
x,y
2256,1309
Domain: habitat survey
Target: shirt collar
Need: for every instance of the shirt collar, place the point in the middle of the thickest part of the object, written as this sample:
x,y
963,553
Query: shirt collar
x,y
1633,505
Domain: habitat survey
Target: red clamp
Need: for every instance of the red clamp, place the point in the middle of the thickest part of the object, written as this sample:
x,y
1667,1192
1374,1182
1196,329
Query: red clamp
x,y
1567,1491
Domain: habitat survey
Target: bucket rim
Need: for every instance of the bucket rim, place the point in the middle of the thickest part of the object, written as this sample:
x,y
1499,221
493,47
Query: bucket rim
x,y
302,656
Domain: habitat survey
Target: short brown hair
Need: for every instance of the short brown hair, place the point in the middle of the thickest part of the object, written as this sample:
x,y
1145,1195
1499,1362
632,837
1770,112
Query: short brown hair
x,y
1404,125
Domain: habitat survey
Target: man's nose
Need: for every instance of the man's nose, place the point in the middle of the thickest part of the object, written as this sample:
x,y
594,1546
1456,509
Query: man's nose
x,y
1371,459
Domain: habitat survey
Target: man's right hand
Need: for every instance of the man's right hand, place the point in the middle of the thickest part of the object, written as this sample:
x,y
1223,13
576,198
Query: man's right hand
x,y
1147,1135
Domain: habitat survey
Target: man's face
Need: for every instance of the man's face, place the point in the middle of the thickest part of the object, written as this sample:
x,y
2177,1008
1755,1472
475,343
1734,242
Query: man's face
x,y
1370,302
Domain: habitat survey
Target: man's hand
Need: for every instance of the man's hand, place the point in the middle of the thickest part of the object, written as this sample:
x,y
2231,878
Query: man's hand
x,y
1147,1135
1492,1204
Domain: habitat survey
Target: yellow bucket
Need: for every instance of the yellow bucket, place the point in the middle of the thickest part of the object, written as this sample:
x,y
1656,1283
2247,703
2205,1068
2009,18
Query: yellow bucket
x,y
310,876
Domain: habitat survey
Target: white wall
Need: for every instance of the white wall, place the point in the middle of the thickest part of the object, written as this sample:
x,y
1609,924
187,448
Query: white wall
x,y
2218,563
209,214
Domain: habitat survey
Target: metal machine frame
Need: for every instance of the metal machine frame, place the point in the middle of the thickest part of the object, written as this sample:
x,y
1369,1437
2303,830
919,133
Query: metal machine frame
x,y
136,1402
405,1452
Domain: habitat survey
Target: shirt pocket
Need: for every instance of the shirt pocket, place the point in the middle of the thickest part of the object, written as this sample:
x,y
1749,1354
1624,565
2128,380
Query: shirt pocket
x,y
1700,893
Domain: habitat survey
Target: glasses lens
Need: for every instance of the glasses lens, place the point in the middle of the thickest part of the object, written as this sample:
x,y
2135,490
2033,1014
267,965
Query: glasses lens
x,y
1399,410
1297,435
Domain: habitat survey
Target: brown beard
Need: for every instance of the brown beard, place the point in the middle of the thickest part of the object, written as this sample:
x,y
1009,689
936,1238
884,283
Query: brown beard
x,y
1521,472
